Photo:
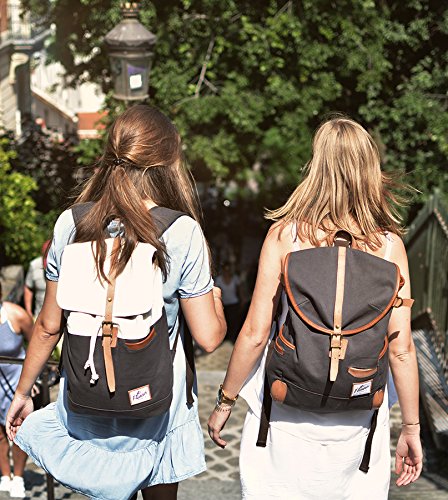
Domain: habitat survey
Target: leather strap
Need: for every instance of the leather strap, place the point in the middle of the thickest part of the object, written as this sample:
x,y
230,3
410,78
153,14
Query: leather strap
x,y
336,337
266,406
109,329
399,302
365,462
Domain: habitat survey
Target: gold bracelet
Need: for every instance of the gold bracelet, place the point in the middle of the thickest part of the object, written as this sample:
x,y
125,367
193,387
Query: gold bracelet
x,y
416,423
221,408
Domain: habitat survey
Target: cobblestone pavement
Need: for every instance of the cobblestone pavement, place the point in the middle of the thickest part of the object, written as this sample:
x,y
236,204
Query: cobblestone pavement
x,y
221,480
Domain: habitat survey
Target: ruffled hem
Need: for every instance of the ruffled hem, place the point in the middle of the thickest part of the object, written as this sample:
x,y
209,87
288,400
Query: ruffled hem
x,y
102,474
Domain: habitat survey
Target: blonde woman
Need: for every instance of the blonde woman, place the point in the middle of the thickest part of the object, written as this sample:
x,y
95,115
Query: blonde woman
x,y
313,455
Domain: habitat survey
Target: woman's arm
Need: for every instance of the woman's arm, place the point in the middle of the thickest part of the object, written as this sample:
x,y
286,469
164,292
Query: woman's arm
x,y
403,363
254,335
43,340
28,299
205,319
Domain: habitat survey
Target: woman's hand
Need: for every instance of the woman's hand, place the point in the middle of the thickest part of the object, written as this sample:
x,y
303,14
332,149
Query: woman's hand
x,y
20,408
216,423
408,457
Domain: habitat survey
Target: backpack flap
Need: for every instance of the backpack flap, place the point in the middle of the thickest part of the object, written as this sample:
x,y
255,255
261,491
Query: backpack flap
x,y
80,289
371,286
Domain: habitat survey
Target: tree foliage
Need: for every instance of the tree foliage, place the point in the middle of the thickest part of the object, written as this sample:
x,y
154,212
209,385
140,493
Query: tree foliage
x,y
20,235
248,82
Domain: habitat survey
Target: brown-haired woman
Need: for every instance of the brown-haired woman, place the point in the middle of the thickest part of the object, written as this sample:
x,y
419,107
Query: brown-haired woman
x,y
313,455
140,171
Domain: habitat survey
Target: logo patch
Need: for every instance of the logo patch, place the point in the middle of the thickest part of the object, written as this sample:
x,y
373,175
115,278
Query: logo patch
x,y
139,395
361,388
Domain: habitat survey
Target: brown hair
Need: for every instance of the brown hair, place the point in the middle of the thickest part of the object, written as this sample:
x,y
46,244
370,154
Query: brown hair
x,y
344,188
142,159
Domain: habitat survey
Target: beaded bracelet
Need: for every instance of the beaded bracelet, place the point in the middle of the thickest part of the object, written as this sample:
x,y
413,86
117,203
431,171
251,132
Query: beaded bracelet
x,y
416,423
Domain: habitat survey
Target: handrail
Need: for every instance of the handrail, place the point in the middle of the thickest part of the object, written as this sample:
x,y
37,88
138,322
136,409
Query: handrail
x,y
10,360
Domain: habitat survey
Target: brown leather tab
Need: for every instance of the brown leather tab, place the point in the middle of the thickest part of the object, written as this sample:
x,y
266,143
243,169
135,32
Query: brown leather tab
x,y
135,346
344,344
336,339
362,372
109,364
399,302
278,391
378,398
109,330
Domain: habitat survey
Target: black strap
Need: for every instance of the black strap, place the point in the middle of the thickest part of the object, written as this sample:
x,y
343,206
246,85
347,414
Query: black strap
x,y
364,467
163,217
266,406
265,415
189,356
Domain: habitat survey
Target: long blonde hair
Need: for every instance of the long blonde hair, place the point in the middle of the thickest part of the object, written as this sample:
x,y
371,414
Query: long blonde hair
x,y
142,159
344,188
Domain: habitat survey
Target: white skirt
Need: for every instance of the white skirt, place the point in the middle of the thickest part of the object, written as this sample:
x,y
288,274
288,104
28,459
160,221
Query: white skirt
x,y
292,467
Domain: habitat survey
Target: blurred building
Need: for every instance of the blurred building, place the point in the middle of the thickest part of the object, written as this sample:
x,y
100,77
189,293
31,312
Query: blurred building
x,y
31,88
61,108
20,37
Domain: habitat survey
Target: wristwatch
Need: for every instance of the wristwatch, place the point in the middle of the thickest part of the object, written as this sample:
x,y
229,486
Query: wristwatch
x,y
224,399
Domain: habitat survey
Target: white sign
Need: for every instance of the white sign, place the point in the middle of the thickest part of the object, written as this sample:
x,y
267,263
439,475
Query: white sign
x,y
135,82
361,388
139,395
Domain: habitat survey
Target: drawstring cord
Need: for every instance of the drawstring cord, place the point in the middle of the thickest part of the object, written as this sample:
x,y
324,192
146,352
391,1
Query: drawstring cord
x,y
89,363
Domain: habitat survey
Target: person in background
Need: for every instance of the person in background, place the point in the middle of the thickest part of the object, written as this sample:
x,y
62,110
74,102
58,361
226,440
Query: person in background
x,y
35,283
15,324
229,283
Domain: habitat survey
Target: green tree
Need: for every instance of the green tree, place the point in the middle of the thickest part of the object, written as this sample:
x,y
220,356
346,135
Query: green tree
x,y
20,234
247,82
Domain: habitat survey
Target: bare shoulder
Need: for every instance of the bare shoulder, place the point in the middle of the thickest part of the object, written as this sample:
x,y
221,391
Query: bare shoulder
x,y
16,315
398,250
280,233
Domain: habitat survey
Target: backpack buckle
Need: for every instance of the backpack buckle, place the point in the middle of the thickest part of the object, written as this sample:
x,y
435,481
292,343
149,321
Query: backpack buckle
x,y
110,330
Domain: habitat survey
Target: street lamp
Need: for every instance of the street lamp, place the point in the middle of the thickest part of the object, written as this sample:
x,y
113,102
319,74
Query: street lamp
x,y
130,47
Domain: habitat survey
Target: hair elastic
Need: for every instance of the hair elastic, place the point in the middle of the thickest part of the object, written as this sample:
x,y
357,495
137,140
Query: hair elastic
x,y
118,161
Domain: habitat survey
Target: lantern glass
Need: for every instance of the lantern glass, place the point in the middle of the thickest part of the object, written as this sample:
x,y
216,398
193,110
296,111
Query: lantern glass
x,y
131,75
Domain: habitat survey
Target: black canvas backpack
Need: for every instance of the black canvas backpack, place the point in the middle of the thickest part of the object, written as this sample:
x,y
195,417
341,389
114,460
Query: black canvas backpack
x,y
108,374
330,352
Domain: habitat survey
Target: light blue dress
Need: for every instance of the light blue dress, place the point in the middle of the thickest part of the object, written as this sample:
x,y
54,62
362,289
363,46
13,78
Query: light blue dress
x,y
111,458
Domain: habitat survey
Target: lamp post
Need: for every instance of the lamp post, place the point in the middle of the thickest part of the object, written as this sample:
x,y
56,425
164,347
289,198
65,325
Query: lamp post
x,y
130,47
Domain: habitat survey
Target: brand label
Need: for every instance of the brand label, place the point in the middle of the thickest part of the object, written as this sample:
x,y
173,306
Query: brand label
x,y
361,388
139,395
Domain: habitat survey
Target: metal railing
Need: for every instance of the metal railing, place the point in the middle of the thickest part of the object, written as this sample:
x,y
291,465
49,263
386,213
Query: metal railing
x,y
45,393
427,249
22,25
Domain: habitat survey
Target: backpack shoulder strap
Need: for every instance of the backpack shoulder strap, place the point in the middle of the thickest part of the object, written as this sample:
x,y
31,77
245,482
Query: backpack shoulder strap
x,y
164,218
80,210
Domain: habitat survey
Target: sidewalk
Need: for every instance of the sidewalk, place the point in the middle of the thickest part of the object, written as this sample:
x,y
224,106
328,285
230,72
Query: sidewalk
x,y
221,480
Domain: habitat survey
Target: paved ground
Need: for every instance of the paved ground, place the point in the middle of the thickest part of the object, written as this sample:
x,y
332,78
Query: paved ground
x,y
220,481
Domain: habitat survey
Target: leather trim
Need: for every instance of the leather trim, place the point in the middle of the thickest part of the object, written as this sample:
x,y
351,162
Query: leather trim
x,y
286,342
327,330
400,302
340,286
279,390
278,347
135,346
362,372
384,349
378,398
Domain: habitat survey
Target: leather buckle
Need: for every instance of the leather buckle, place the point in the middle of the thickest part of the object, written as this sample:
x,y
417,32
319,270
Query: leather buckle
x,y
110,324
400,303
